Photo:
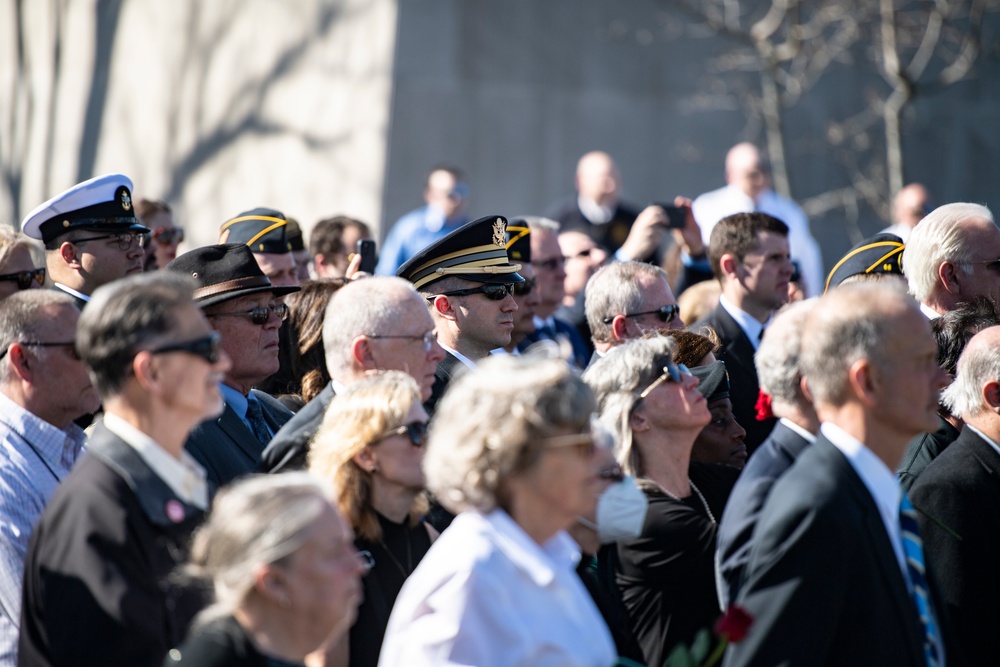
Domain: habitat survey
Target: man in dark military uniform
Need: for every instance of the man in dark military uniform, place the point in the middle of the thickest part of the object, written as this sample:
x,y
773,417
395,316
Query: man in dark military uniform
x,y
91,235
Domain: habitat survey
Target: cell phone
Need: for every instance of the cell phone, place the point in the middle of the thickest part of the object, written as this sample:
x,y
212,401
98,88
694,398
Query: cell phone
x,y
366,248
676,215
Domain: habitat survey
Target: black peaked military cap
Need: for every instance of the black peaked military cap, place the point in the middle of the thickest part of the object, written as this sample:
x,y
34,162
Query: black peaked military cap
x,y
102,204
882,253
224,272
293,232
262,230
714,378
519,241
475,251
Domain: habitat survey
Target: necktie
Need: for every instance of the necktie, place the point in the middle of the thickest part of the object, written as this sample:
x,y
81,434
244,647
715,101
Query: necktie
x,y
913,550
256,418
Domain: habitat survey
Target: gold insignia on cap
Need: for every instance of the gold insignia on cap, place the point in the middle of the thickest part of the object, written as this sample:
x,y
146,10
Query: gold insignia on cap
x,y
261,246
65,223
499,233
126,201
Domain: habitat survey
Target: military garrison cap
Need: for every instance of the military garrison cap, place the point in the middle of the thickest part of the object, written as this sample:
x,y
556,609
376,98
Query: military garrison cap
x,y
882,253
102,204
293,232
261,229
475,251
519,241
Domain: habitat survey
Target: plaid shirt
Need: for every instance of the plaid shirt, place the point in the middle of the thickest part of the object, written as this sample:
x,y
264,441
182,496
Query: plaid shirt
x,y
34,457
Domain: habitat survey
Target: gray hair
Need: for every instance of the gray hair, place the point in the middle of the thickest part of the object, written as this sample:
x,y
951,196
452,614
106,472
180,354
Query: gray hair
x,y
614,290
491,423
850,323
617,379
123,318
937,238
978,365
778,357
259,520
20,315
362,307
11,240
540,225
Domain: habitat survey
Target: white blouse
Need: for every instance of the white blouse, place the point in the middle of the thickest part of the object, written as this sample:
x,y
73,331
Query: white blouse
x,y
486,594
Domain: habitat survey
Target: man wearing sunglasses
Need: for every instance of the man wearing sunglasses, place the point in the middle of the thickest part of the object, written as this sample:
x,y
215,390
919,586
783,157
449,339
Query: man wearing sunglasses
x,y
91,235
243,307
100,570
468,282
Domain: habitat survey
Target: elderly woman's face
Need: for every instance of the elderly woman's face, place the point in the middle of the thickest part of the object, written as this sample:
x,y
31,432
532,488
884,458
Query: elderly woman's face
x,y
323,578
722,440
397,459
674,405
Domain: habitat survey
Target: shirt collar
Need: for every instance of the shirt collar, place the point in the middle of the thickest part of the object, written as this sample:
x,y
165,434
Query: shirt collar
x,y
878,479
59,447
458,355
929,312
235,400
72,292
185,476
751,327
594,212
540,562
789,424
990,441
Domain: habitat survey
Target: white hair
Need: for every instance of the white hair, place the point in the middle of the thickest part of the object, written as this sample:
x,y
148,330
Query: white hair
x,y
615,290
978,365
937,238
778,357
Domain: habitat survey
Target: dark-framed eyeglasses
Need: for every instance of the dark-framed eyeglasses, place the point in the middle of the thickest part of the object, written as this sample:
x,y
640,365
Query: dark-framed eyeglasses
x,y
525,288
550,264
584,443
168,236
207,347
260,315
427,338
671,372
415,431
664,313
36,343
25,278
125,240
493,292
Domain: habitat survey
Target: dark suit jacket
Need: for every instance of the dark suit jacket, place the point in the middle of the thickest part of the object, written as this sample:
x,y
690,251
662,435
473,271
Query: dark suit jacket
x,y
563,331
445,370
96,585
823,584
227,447
738,352
289,447
610,236
958,503
922,450
772,459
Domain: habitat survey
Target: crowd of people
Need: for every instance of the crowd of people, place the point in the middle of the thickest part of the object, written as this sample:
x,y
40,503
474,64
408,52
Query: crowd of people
x,y
596,437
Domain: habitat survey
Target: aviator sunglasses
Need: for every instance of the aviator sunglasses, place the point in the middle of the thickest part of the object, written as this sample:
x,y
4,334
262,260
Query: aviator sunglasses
x,y
207,348
671,372
415,431
25,278
665,313
259,315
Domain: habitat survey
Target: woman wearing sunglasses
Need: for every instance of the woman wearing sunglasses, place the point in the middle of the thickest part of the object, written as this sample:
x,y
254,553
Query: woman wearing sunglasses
x,y
511,451
666,576
17,266
370,446
164,234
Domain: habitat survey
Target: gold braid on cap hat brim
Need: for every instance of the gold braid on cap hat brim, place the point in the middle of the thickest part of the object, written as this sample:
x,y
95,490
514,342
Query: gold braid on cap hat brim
x,y
454,270
278,222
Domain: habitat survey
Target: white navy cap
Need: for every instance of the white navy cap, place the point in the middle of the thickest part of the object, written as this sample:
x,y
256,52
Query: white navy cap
x,y
103,203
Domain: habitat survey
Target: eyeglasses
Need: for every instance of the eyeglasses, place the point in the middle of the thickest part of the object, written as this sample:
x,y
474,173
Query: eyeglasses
x,y
25,278
524,289
415,431
665,313
125,240
207,348
671,372
583,442
550,264
612,474
165,236
492,292
990,264
428,338
34,343
260,315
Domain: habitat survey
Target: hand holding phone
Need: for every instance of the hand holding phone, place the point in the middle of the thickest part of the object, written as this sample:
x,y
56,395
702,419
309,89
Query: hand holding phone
x,y
676,215
366,248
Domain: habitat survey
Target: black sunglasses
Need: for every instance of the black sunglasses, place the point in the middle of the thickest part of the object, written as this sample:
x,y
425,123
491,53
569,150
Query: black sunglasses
x,y
415,431
124,240
525,288
34,343
25,278
492,292
666,313
261,314
165,236
207,348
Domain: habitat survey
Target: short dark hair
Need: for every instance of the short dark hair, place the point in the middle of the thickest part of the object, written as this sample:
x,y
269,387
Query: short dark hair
x,y
450,168
125,317
327,236
737,235
955,329
149,207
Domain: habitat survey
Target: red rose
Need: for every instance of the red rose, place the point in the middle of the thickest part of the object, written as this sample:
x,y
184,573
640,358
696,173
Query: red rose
x,y
763,406
734,624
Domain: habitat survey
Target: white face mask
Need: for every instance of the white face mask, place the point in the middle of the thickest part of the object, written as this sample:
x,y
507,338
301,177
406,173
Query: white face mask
x,y
621,512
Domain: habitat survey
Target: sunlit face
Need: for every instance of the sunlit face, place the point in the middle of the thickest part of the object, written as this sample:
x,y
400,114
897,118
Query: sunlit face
x,y
486,322
164,240
656,293
323,580
721,441
443,194
766,271
279,268
583,257
64,381
983,276
103,261
410,355
547,260
18,260
397,460
670,407
252,348
597,178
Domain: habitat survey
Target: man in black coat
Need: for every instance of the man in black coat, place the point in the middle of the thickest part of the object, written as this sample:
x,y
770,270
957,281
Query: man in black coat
x,y
99,585
958,498
749,257
241,303
829,579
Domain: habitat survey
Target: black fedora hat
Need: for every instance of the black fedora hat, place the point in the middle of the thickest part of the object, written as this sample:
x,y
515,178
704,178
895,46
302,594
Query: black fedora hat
x,y
475,251
224,272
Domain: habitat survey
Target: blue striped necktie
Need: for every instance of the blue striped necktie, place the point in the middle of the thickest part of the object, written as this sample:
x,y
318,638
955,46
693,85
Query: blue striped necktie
x,y
913,550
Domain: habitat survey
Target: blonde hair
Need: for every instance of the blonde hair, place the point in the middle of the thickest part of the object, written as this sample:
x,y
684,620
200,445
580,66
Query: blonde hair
x,y
356,419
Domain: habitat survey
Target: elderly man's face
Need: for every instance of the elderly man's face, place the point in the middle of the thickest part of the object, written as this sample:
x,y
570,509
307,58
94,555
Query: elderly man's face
x,y
983,238
524,317
279,268
547,259
656,294
63,381
407,350
252,348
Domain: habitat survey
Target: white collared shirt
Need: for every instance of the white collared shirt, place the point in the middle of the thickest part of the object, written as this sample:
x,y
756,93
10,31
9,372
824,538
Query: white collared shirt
x,y
486,594
458,355
929,312
789,424
990,441
72,292
749,324
594,212
882,485
184,476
